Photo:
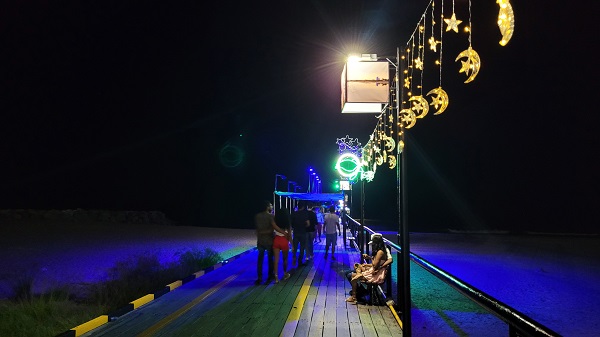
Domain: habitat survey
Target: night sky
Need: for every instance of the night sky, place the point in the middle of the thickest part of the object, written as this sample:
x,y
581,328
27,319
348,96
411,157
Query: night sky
x,y
192,107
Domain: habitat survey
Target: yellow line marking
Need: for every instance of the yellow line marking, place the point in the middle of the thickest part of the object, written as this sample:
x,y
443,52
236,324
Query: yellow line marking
x,y
170,318
292,319
395,315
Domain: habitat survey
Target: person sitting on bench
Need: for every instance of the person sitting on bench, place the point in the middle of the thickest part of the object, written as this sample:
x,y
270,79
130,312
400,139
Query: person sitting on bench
x,y
373,272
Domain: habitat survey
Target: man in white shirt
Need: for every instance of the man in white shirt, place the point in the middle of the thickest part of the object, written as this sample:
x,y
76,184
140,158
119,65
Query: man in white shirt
x,y
332,227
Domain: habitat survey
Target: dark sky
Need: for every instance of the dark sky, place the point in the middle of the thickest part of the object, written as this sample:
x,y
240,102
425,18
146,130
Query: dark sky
x,y
144,105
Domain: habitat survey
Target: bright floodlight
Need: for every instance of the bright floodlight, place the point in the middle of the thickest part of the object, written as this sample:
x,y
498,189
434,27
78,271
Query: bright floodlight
x,y
353,58
365,84
362,57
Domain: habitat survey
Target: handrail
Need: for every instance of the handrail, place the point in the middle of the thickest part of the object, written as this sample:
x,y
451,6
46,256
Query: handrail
x,y
515,319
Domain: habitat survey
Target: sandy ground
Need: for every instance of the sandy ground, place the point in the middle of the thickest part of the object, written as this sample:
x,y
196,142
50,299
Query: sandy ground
x,y
553,279
59,253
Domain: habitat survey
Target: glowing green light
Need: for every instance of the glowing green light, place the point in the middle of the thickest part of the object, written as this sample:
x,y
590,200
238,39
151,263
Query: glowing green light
x,y
348,165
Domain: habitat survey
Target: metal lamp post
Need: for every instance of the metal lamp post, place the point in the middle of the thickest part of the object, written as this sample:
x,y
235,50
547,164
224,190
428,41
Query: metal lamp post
x,y
363,92
277,176
286,200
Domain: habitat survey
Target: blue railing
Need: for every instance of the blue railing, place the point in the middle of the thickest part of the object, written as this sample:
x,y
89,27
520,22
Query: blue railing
x,y
519,323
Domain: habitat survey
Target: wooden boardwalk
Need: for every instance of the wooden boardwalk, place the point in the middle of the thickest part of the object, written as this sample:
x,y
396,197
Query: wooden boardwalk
x,y
225,302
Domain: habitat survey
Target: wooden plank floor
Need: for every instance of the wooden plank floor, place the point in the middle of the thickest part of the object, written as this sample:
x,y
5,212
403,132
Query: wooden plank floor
x,y
225,302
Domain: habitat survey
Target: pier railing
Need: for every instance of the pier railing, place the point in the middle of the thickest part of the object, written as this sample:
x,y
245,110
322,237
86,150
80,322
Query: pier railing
x,y
519,323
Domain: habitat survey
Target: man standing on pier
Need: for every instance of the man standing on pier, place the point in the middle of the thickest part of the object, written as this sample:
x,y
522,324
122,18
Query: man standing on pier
x,y
300,221
265,225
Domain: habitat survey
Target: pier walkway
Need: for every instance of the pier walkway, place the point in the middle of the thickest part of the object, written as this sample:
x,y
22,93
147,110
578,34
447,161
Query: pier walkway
x,y
225,302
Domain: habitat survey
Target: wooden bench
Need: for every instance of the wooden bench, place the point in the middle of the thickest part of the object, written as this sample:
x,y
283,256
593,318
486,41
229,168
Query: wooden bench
x,y
374,289
351,239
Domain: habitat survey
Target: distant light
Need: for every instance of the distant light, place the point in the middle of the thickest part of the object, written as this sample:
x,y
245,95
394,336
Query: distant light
x,y
241,135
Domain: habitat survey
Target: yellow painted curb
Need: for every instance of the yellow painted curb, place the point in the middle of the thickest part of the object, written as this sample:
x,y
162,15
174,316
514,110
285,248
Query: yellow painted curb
x,y
142,300
174,285
90,325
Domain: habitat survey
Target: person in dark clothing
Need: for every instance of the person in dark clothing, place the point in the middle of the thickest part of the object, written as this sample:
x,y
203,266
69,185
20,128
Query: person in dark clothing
x,y
300,221
310,234
265,225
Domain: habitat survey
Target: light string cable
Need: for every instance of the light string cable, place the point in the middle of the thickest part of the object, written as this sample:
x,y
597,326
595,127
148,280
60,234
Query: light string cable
x,y
422,49
417,27
441,38
432,40
411,64
470,27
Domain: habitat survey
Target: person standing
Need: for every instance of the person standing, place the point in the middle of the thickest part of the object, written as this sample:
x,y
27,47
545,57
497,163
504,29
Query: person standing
x,y
310,234
281,242
320,222
300,221
332,227
265,225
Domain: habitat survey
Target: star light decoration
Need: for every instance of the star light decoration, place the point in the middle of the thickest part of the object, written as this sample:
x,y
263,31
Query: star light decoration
x,y
348,144
407,82
418,63
452,23
433,43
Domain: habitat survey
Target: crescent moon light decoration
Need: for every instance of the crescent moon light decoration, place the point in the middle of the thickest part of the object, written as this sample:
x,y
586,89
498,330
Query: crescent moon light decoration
x,y
471,66
390,144
421,107
378,156
407,116
506,21
440,99
392,161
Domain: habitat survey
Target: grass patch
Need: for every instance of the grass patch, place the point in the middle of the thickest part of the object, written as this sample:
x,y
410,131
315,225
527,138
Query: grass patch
x,y
47,315
57,311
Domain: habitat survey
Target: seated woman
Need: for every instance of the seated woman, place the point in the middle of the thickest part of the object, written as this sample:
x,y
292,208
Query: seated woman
x,y
373,272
